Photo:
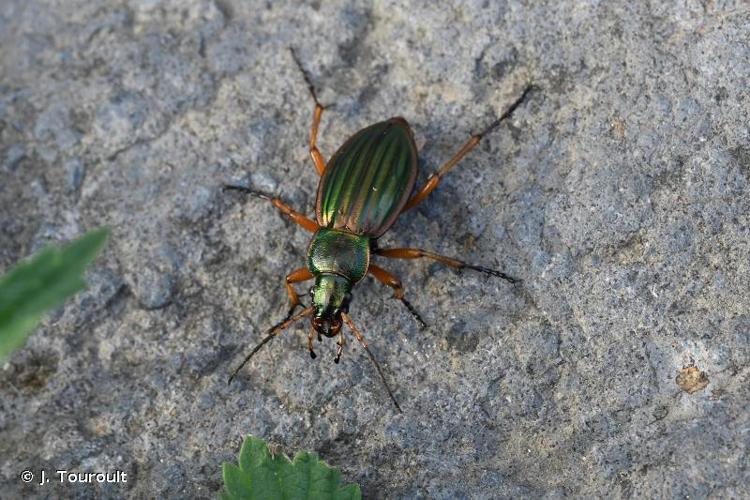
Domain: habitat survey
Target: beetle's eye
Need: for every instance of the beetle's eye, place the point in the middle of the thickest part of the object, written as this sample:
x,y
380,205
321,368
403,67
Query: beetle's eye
x,y
311,292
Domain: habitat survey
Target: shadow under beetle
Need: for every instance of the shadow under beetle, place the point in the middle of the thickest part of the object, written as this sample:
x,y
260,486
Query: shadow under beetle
x,y
363,189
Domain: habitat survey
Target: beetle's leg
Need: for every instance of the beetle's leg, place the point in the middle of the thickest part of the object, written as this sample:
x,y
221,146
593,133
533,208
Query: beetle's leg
x,y
340,348
394,282
296,276
434,179
310,337
362,341
416,253
317,157
285,209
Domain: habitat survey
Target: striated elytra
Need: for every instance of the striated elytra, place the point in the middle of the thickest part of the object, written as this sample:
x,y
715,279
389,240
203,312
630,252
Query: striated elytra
x,y
369,179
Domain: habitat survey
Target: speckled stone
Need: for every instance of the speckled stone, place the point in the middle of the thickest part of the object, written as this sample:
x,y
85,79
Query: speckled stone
x,y
618,192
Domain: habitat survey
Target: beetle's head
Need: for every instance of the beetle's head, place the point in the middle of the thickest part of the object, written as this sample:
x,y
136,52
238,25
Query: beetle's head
x,y
330,297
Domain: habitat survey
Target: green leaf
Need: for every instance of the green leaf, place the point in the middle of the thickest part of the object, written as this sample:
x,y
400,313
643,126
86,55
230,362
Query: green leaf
x,y
40,284
262,475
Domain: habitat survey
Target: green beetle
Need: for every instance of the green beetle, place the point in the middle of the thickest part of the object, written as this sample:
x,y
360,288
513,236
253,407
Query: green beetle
x,y
363,189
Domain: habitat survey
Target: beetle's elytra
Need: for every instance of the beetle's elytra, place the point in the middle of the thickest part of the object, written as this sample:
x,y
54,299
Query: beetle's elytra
x,y
369,179
363,189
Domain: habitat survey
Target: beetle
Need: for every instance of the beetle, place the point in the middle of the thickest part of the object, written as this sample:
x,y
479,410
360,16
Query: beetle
x,y
365,186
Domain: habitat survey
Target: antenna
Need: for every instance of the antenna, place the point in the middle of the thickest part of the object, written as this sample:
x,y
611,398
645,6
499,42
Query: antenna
x,y
274,331
362,341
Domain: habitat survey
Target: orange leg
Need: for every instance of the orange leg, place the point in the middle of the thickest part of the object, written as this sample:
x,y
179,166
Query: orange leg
x,y
340,349
394,282
388,279
285,209
310,337
416,253
296,276
434,179
317,157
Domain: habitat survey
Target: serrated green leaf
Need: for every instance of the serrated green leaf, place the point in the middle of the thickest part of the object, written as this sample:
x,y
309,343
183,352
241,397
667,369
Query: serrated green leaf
x,y
261,475
348,492
40,284
235,481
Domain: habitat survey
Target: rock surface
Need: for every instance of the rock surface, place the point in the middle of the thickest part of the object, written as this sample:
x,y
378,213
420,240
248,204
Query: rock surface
x,y
618,193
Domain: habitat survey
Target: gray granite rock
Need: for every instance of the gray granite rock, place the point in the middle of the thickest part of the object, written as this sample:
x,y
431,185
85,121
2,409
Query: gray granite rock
x,y
618,192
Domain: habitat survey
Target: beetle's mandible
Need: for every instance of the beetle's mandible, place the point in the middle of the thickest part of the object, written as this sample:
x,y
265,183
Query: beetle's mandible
x,y
363,189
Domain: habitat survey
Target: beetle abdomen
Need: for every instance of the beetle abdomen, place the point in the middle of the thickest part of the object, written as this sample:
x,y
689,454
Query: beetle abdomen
x,y
339,252
369,179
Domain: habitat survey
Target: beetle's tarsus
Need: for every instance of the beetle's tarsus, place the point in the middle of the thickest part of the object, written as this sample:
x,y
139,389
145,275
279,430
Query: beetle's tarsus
x,y
506,113
247,190
256,349
495,273
307,78
414,313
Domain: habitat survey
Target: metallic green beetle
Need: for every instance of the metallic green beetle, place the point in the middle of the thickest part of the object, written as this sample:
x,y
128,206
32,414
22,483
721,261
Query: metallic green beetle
x,y
363,189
